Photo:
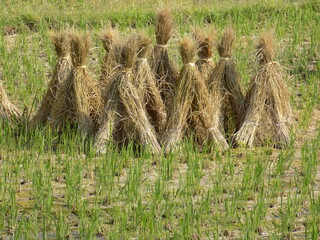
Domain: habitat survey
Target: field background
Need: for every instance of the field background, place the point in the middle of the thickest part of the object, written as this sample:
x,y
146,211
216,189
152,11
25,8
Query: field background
x,y
54,189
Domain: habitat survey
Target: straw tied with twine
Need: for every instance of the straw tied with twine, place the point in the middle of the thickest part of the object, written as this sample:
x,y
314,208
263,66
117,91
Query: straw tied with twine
x,y
224,85
190,88
165,70
268,95
78,98
62,70
126,103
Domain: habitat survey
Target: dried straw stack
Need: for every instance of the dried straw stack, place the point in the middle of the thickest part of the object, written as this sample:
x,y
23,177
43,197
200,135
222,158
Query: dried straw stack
x,y
164,68
226,75
8,111
146,84
125,105
78,99
268,95
191,88
112,124
206,43
62,70
204,118
110,40
110,119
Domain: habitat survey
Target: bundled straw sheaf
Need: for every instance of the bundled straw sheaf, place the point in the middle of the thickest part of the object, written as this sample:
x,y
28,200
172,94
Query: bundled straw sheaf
x,y
205,117
132,101
146,84
8,111
125,114
164,68
191,96
110,41
225,75
183,97
79,98
110,118
268,95
206,43
113,125
62,70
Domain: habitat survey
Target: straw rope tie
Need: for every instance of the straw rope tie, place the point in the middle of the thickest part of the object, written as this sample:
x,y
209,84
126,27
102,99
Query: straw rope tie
x,y
283,122
253,123
162,45
127,70
212,129
191,64
273,62
67,57
207,59
175,131
143,59
82,66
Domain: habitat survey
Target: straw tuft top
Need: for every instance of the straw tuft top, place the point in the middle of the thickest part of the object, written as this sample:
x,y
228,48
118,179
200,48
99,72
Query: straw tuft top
x,y
188,50
225,47
80,45
129,52
206,42
265,48
144,46
164,27
61,42
109,37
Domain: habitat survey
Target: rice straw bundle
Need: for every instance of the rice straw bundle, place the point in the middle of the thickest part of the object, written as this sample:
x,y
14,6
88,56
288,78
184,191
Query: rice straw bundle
x,y
8,111
79,98
184,94
205,117
110,119
125,105
206,42
113,126
109,38
62,70
132,101
191,96
226,75
166,72
268,95
146,84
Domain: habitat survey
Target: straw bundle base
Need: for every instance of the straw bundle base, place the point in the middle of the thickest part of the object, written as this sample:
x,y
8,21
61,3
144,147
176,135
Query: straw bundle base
x,y
8,111
282,134
216,136
130,99
246,135
171,140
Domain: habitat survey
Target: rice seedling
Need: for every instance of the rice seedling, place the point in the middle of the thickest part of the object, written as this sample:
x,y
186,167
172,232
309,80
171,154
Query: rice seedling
x,y
268,92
